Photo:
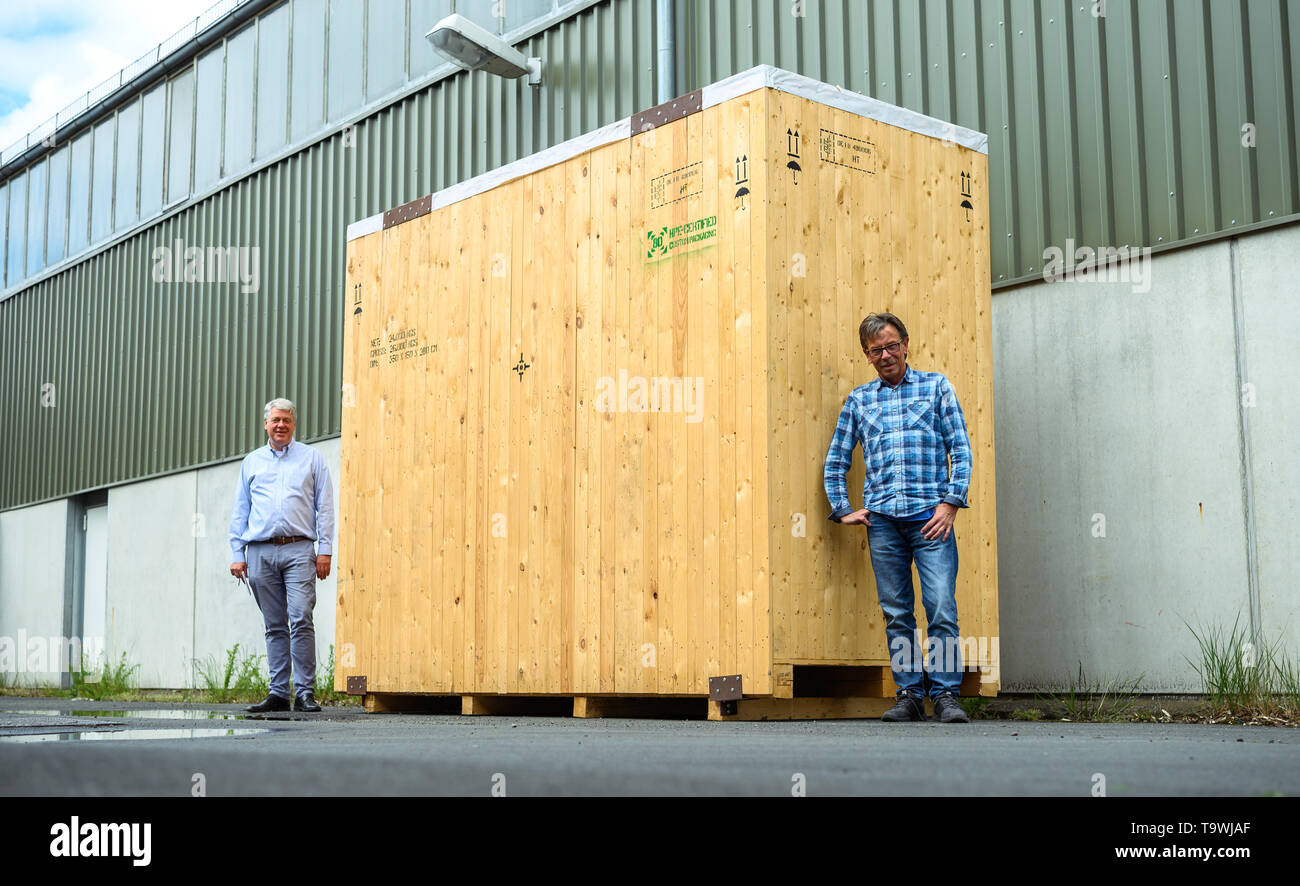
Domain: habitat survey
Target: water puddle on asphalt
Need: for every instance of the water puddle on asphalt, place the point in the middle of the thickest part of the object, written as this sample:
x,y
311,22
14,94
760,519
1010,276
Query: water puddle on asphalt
x,y
127,734
143,713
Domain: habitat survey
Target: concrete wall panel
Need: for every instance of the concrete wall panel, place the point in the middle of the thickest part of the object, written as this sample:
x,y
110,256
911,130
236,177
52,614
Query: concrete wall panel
x,y
151,528
33,543
1269,271
1118,405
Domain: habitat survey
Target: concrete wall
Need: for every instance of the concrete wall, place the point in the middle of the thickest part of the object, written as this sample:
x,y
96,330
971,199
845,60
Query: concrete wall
x,y
172,604
33,543
1121,486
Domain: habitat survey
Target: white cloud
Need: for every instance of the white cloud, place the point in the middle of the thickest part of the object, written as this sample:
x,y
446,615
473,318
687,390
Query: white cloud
x,y
53,51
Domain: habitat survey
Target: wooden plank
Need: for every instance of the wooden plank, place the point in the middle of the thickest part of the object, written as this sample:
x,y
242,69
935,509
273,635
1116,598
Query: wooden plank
x,y
581,230
519,629
684,575
785,362
546,381
758,612
352,632
452,419
656,481
720,184
985,475
698,393
835,336
394,505
807,451
559,431
468,618
669,153
735,130
748,388
491,669
954,252
857,235
619,247
631,502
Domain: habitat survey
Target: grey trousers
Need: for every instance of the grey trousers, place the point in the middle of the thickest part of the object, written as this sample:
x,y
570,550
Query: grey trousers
x,y
283,580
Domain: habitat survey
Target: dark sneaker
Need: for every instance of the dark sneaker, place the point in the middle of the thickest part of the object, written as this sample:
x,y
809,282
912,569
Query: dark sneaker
x,y
948,710
306,702
909,709
272,703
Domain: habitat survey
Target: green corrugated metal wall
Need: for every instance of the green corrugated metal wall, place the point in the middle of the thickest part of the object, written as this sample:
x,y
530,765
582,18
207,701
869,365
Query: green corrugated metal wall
x,y
1098,130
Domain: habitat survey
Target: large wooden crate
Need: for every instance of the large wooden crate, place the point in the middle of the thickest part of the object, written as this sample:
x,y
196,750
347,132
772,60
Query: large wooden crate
x,y
588,398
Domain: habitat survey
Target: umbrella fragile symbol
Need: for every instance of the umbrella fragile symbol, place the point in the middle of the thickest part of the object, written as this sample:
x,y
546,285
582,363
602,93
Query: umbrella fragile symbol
x,y
792,151
742,179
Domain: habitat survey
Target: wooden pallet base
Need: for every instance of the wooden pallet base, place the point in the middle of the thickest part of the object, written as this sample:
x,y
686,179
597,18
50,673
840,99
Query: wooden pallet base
x,y
801,691
593,707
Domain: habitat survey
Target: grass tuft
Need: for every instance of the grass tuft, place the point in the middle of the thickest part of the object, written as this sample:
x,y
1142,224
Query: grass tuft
x,y
114,681
1242,682
239,678
1086,700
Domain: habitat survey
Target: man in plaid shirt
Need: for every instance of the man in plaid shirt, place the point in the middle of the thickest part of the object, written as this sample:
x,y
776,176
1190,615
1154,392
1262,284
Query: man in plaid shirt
x,y
909,425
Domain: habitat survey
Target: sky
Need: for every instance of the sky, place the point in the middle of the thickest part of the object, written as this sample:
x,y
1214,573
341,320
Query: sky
x,y
53,51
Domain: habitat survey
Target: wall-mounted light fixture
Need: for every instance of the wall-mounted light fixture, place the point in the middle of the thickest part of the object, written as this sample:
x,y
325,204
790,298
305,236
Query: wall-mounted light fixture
x,y
474,48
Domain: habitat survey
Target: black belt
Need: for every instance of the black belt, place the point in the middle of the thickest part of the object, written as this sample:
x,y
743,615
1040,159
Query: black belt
x,y
286,539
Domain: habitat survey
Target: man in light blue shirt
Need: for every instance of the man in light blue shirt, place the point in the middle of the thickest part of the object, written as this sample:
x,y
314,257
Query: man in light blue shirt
x,y
284,503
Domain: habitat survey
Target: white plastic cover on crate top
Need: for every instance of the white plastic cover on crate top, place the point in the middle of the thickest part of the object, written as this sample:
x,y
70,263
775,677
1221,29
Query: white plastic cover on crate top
x,y
759,77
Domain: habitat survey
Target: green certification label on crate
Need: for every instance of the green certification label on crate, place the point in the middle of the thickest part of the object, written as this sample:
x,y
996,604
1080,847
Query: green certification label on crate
x,y
668,242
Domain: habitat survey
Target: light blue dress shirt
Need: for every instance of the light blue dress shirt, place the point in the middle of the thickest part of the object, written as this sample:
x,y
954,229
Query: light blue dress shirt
x,y
284,492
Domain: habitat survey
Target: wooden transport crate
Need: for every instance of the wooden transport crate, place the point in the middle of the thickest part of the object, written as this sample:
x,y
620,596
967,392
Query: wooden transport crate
x,y
588,398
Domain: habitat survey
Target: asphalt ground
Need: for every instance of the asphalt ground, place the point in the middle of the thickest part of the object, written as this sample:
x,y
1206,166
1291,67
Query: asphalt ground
x,y
344,752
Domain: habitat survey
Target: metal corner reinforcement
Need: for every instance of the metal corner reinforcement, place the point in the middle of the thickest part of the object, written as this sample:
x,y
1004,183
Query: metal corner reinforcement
x,y
660,115
408,211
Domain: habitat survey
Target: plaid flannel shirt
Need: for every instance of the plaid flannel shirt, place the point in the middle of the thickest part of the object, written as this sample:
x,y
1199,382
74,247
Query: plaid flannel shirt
x,y
907,433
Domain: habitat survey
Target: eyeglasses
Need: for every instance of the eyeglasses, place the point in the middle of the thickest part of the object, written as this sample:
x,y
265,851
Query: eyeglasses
x,y
892,347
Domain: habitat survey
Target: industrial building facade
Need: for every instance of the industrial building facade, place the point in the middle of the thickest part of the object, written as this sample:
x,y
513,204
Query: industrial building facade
x,y
173,257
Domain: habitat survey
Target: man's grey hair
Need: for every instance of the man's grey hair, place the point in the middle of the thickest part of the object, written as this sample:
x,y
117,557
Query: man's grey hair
x,y
279,403
875,322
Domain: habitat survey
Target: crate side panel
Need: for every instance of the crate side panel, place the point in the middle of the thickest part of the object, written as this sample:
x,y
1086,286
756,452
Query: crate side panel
x,y
880,226
354,630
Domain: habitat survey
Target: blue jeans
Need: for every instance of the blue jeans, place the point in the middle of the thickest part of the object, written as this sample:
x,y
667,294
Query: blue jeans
x,y
283,579
894,544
